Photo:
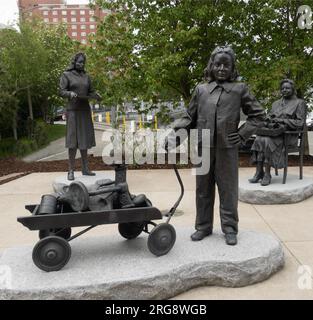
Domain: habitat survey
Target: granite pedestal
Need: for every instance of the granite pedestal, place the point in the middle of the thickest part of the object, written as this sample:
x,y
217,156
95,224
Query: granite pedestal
x,y
294,190
111,267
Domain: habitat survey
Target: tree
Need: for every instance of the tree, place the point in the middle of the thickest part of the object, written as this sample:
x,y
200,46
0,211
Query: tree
x,y
32,60
8,99
160,48
24,59
8,111
59,49
274,47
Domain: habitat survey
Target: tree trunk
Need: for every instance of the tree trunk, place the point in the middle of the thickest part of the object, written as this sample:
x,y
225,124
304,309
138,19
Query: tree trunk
x,y
44,110
306,144
30,105
14,126
185,89
14,130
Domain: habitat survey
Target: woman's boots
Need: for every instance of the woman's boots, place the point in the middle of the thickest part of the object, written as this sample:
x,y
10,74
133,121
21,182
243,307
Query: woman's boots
x,y
71,163
259,174
85,169
267,175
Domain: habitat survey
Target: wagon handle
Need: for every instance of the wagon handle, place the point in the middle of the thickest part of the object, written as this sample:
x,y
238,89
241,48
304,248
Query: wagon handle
x,y
182,190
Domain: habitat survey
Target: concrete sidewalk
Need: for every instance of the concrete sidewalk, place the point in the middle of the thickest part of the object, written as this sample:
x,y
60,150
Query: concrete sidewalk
x,y
56,150
292,224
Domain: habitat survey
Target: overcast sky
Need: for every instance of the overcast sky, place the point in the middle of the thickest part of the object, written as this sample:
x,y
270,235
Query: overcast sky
x,y
9,12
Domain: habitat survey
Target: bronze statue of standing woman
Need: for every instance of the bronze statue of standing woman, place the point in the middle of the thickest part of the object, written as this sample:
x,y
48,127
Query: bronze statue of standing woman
x,y
75,85
288,113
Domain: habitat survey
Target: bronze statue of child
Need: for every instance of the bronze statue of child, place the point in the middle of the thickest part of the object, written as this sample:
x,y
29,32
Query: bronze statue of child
x,y
216,105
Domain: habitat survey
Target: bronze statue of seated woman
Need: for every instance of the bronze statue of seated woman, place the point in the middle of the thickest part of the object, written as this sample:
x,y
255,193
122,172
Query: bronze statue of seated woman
x,y
287,113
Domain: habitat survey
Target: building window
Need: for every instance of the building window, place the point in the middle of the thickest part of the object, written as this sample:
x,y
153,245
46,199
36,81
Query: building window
x,y
45,13
55,19
83,34
73,13
64,19
74,26
82,12
83,26
74,34
82,19
73,19
92,19
46,19
92,26
91,12
84,41
55,13
64,12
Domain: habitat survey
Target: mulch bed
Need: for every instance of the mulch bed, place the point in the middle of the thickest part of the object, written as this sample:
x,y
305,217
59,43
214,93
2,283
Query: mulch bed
x,y
14,165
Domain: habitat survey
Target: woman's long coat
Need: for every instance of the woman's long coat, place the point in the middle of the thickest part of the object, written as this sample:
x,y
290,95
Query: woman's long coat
x,y
79,127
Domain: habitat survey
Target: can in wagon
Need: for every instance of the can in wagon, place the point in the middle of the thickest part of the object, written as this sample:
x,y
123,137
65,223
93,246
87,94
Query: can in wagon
x,y
48,204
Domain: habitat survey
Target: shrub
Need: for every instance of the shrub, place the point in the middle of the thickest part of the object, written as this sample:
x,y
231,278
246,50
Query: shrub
x,y
24,147
7,147
40,133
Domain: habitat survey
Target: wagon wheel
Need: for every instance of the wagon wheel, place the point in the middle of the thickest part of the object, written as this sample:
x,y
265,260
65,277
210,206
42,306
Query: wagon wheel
x,y
64,233
51,253
79,196
130,230
161,239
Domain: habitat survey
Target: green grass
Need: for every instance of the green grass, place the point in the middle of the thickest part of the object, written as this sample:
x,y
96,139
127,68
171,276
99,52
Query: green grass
x,y
21,148
55,131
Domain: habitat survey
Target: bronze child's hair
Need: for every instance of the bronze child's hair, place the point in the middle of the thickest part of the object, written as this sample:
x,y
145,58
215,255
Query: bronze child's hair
x,y
208,75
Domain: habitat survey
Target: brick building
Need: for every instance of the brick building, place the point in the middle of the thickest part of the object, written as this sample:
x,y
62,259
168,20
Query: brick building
x,y
81,21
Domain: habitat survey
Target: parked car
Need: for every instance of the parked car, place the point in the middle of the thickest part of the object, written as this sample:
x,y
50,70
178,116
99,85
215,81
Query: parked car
x,y
59,114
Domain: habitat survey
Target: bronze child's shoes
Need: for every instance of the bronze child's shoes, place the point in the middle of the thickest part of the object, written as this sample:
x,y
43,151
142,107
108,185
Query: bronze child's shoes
x,y
200,234
231,239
